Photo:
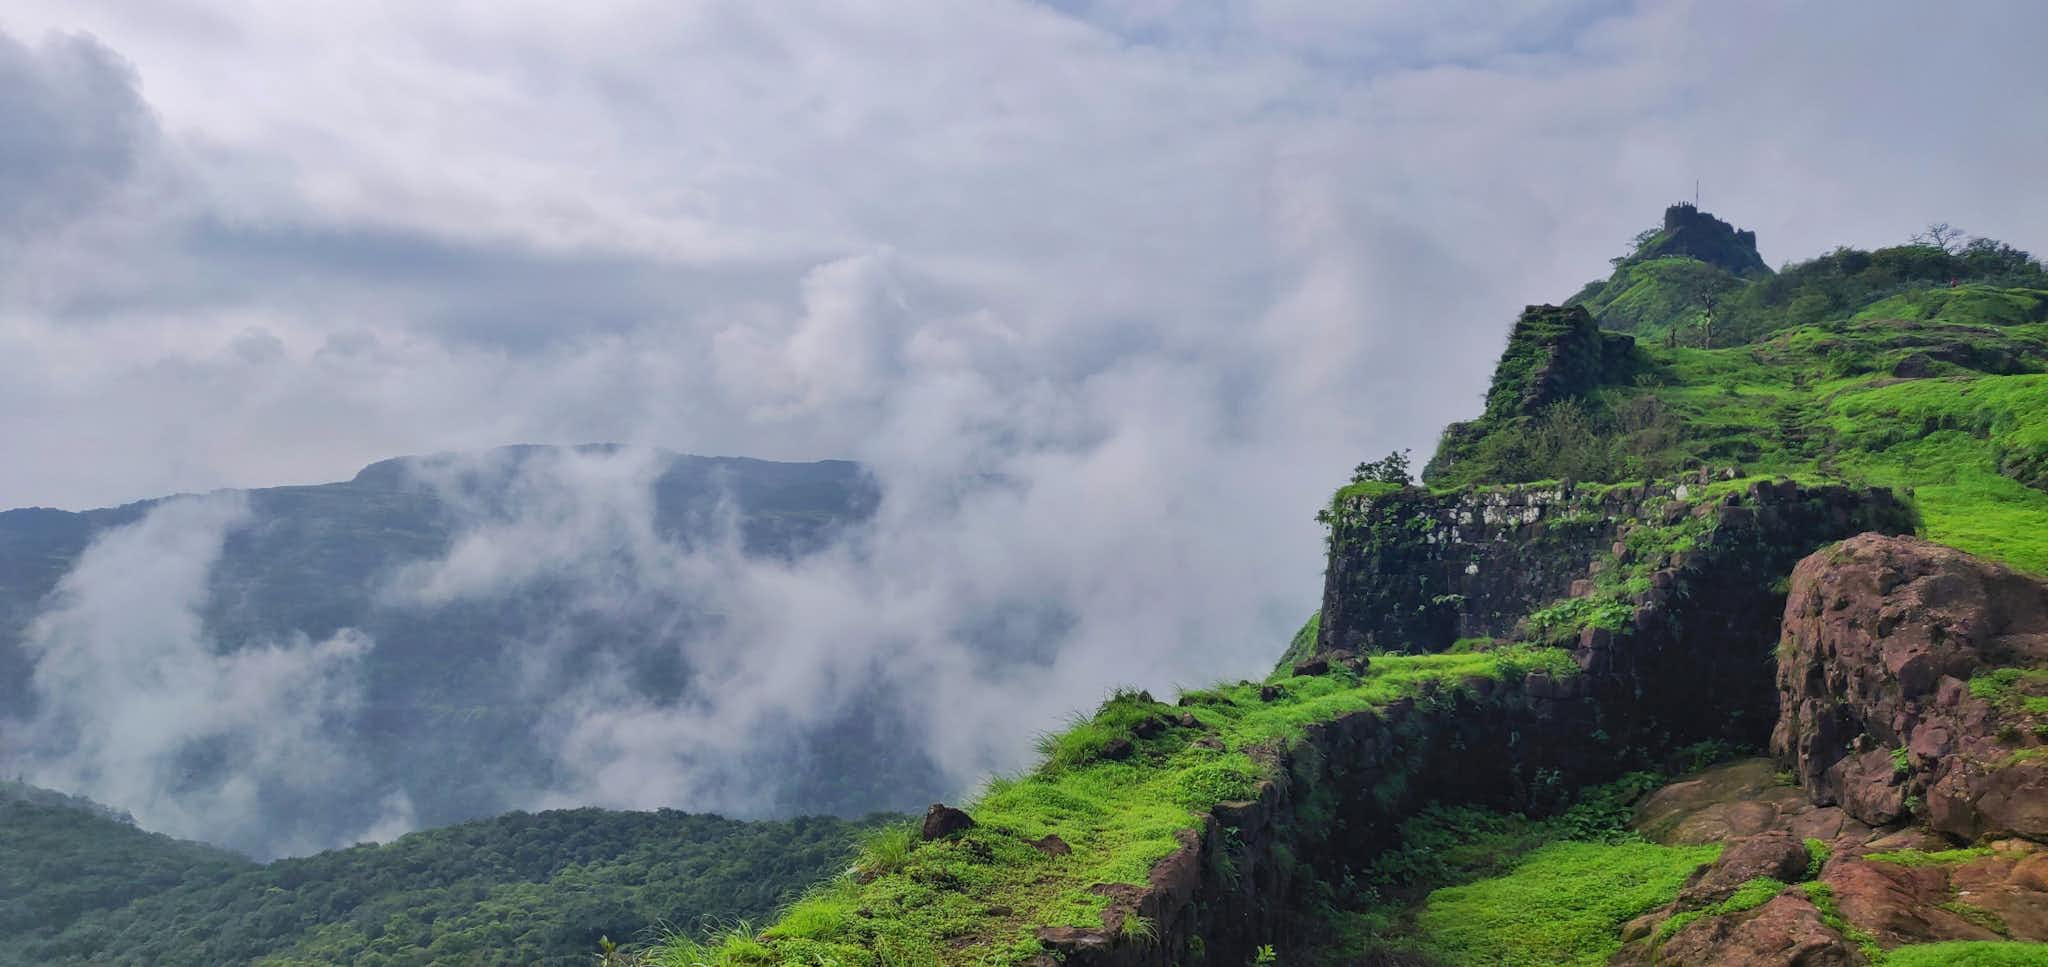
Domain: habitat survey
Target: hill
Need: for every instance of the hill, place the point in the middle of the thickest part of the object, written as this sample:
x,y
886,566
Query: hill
x,y
456,698
1680,528
84,886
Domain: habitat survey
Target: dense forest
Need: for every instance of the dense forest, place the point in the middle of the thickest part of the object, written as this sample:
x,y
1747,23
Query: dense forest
x,y
81,885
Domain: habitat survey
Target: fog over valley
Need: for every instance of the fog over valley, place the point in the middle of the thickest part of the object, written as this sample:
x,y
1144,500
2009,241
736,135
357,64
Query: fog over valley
x,y
417,413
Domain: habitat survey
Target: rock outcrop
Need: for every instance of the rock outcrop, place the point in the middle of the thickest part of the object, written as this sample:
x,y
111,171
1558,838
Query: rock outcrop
x,y
1788,931
1414,570
1847,887
1911,685
1688,577
1554,353
1695,234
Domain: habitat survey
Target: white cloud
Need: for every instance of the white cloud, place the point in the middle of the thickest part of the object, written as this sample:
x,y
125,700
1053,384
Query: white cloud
x,y
137,705
1109,295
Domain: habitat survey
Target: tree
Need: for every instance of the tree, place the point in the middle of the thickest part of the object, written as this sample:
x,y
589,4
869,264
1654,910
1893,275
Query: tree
x,y
1707,321
1392,468
1939,235
1634,245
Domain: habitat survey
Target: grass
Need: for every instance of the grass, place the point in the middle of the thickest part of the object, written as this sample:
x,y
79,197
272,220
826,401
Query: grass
x,y
1748,896
1469,885
1563,905
1914,857
1971,953
2022,690
1823,898
1817,853
1819,403
1804,408
980,896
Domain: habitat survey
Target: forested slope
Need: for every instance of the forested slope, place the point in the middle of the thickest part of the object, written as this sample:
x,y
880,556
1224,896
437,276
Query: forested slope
x,y
79,885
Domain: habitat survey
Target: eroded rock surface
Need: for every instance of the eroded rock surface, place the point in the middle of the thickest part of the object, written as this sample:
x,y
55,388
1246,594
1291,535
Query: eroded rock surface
x,y
1788,931
1886,887
1883,640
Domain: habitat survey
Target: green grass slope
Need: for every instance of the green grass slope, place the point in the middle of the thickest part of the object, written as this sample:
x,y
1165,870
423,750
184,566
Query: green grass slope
x,y
978,898
1473,886
1939,394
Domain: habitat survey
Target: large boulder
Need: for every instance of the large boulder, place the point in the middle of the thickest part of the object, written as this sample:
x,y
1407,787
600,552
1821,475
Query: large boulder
x,y
1786,932
1904,676
1774,854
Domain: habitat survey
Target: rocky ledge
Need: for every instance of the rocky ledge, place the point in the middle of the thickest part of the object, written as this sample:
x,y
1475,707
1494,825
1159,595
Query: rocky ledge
x,y
1804,884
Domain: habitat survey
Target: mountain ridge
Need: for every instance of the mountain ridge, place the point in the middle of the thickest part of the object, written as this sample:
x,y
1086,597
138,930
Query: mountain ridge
x,y
1660,495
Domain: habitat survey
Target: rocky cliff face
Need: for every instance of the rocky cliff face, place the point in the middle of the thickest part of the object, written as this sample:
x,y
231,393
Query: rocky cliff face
x,y
1804,884
1337,798
1554,354
1692,233
1669,592
1913,684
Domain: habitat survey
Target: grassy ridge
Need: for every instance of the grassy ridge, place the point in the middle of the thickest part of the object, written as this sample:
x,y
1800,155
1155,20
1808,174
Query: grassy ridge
x,y
979,897
1852,371
1965,430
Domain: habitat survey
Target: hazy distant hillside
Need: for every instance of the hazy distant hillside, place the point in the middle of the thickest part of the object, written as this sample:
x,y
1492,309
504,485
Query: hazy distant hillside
x,y
80,885
407,648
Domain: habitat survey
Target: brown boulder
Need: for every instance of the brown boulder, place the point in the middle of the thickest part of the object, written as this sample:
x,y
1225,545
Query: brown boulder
x,y
2031,873
2008,889
942,821
1881,636
1774,854
1900,904
1722,803
1051,845
1786,932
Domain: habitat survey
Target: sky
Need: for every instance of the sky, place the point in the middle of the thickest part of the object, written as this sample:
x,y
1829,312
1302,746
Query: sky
x,y
1166,269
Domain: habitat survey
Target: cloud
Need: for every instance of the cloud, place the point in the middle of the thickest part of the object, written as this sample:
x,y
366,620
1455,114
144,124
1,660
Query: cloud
x,y
137,705
1108,294
72,127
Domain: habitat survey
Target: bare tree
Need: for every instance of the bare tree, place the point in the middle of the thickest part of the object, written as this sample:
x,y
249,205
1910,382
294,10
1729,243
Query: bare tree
x,y
1635,245
1940,235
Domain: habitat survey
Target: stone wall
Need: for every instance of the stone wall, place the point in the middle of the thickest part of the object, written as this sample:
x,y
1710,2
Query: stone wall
x,y
1421,569
1414,570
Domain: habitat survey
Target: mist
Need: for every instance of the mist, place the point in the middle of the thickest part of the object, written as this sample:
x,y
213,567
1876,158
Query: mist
x,y
1105,297
137,704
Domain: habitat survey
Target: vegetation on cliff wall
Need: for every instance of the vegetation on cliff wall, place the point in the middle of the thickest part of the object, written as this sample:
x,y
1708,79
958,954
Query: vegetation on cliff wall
x,y
1115,793
1474,886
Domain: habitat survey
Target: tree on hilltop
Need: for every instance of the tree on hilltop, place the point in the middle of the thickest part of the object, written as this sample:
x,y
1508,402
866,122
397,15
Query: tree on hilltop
x,y
1939,235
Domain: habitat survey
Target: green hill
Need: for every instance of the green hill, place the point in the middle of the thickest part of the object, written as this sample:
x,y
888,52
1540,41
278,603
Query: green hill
x,y
80,885
454,693
1666,446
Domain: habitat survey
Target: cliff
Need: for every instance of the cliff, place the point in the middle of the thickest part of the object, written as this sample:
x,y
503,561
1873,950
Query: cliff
x,y
1688,232
1625,567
